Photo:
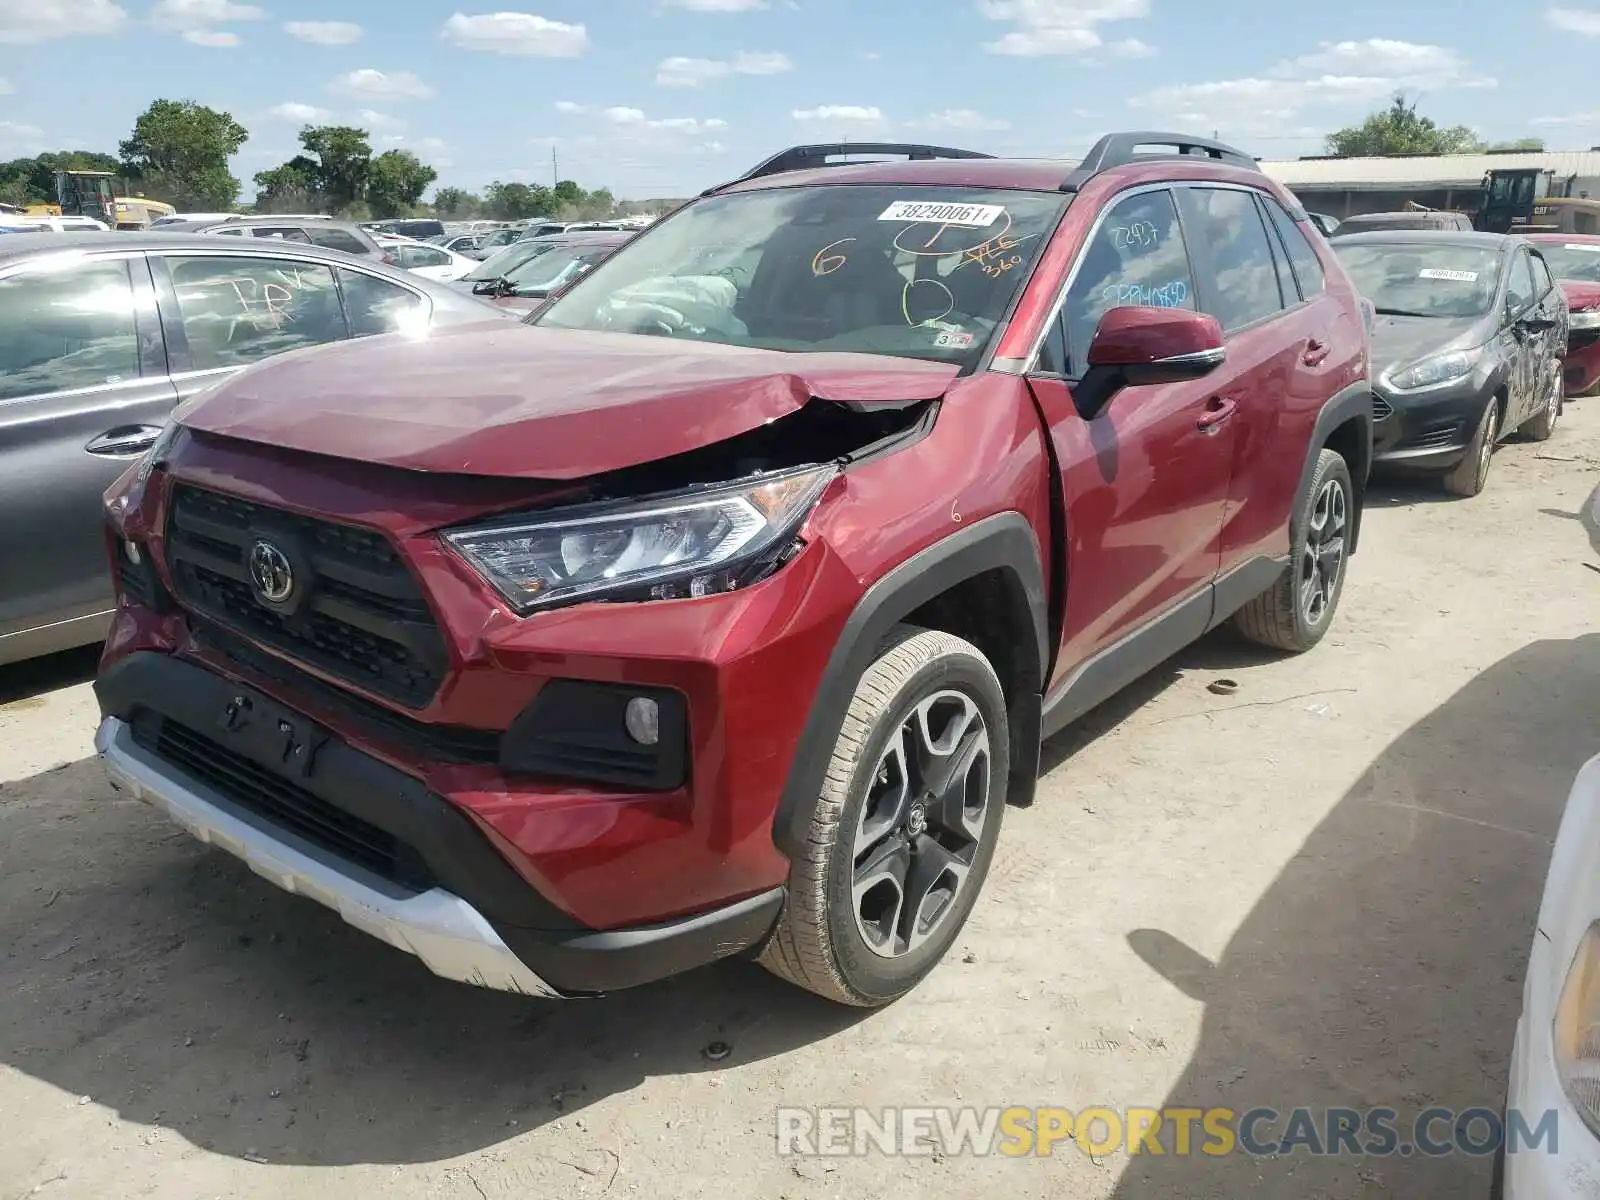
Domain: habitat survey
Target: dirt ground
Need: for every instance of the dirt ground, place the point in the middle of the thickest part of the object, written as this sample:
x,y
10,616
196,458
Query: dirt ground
x,y
1317,891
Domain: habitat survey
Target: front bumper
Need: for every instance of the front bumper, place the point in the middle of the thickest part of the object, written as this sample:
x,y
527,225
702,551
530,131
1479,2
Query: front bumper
x,y
1428,430
1580,369
374,844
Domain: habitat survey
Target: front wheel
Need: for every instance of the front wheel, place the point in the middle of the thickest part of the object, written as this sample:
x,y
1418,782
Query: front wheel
x,y
1470,475
905,826
1297,610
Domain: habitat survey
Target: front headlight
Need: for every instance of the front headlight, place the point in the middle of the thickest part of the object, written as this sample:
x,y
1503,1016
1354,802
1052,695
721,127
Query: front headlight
x,y
1587,319
1577,1030
1441,368
690,543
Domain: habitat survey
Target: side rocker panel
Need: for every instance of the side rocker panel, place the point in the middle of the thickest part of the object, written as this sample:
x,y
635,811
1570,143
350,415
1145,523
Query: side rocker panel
x,y
1005,543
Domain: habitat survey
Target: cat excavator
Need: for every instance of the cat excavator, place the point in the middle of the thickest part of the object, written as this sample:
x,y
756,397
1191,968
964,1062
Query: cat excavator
x,y
94,194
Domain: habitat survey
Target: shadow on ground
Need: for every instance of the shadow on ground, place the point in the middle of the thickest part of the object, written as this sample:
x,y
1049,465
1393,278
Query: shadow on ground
x,y
36,676
168,983
1384,966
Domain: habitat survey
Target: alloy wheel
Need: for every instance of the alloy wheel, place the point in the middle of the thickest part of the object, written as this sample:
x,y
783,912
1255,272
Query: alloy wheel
x,y
1322,559
921,824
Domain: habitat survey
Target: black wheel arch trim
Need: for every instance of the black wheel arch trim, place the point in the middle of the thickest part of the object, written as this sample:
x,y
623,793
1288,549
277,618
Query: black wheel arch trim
x,y
1006,543
1352,403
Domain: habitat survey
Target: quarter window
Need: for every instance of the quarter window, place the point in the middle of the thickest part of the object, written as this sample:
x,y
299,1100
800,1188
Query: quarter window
x,y
240,310
1231,255
1307,266
378,306
1136,256
1542,282
66,330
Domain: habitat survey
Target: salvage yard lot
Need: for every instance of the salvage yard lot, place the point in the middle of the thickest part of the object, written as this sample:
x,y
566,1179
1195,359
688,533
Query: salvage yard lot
x,y
1318,891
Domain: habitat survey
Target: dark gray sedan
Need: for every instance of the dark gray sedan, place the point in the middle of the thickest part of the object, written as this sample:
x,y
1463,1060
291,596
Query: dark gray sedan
x,y
103,335
1467,342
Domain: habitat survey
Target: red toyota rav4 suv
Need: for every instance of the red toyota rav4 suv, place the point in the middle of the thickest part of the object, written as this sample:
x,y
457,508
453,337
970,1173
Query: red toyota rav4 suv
x,y
721,608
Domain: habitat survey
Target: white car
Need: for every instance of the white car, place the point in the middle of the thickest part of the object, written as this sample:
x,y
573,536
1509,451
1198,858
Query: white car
x,y
1555,1060
65,224
427,260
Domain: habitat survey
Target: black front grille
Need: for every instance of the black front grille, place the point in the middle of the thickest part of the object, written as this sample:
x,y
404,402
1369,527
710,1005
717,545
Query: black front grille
x,y
363,618
1440,437
1381,408
282,802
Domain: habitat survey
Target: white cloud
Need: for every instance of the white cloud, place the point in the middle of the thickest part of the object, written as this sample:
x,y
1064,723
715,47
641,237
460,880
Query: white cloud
x,y
5,87
717,6
324,33
1583,21
377,122
293,110
1338,78
964,119
1061,27
379,85
692,72
26,21
514,33
1580,119
215,38
13,131
635,118
840,112
1130,48
568,106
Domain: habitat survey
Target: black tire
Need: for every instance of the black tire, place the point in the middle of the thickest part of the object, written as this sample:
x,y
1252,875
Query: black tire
x,y
1539,428
1278,617
818,943
1468,478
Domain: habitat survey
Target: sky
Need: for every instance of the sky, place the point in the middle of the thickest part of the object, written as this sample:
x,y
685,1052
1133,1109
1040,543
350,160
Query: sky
x,y
664,97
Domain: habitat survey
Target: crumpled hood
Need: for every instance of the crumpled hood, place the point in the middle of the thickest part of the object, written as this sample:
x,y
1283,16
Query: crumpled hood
x,y
1580,294
1400,341
517,400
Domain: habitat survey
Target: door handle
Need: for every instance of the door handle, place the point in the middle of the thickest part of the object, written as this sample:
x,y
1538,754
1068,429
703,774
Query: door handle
x,y
124,440
1316,351
1218,410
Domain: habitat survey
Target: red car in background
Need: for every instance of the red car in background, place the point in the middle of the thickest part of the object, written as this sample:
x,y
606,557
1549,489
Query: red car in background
x,y
1575,261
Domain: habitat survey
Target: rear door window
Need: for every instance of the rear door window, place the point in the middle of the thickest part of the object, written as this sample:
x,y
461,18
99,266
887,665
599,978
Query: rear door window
x,y
287,233
1239,284
1136,256
1307,266
339,239
237,311
67,330
379,306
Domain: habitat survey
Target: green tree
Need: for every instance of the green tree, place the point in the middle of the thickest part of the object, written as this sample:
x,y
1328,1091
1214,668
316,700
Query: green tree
x,y
1531,144
396,180
291,187
454,204
1399,129
344,163
567,194
514,201
179,151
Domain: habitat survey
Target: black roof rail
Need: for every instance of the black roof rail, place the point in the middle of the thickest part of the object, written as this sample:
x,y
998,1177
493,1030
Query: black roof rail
x,y
805,158
1120,149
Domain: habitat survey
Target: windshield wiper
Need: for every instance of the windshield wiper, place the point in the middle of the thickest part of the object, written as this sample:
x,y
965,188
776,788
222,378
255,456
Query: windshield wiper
x,y
1400,312
498,286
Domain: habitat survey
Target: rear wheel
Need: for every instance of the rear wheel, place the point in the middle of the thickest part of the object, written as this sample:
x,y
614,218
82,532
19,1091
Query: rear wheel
x,y
905,826
1296,611
1469,476
1540,427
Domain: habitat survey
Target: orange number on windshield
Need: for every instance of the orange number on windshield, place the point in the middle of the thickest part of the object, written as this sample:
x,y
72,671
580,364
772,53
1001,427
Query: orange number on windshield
x,y
823,263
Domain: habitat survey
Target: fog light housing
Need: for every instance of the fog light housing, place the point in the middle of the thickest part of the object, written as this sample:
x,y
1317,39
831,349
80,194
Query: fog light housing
x,y
643,720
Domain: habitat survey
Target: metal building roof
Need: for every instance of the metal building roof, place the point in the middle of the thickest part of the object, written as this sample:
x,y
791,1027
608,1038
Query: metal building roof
x,y
1442,171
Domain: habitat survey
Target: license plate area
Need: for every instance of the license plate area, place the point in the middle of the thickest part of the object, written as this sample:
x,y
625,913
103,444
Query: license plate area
x,y
267,733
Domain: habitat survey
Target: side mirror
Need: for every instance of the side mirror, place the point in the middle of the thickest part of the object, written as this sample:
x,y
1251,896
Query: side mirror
x,y
1537,324
1137,346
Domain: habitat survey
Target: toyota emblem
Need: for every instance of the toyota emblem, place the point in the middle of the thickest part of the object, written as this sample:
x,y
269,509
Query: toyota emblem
x,y
270,572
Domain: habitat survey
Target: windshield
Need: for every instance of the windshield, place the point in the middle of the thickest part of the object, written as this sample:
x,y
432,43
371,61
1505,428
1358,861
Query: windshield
x,y
1573,260
1412,279
922,272
546,272
508,260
